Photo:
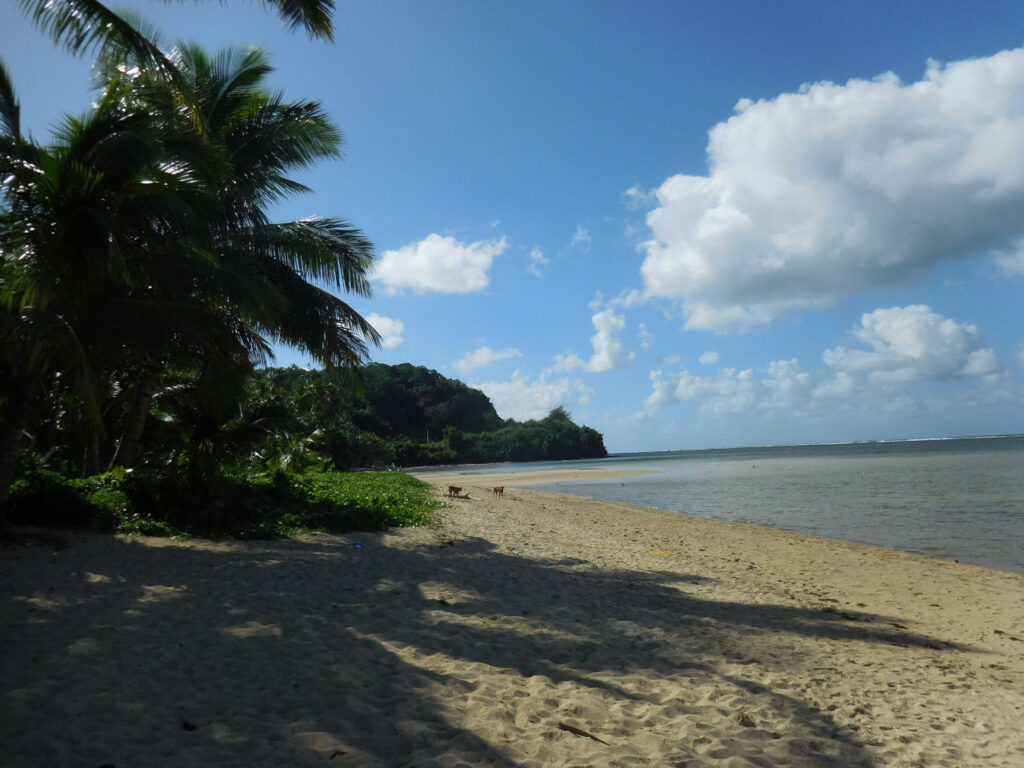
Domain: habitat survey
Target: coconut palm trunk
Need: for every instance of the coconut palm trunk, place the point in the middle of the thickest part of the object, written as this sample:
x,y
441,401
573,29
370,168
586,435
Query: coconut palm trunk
x,y
131,438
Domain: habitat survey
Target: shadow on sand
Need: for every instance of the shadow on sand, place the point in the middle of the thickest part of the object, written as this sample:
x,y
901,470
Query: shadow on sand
x,y
161,632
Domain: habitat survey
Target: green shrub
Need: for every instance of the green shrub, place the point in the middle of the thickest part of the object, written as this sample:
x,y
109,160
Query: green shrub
x,y
43,497
235,505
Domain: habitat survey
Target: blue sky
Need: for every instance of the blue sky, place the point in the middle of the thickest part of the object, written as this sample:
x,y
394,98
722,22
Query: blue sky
x,y
691,224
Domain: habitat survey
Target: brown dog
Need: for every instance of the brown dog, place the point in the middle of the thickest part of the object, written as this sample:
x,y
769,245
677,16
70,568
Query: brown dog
x,y
498,492
453,491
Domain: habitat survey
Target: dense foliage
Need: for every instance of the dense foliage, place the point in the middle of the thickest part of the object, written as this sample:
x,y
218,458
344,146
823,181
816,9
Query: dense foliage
x,y
241,505
407,415
142,279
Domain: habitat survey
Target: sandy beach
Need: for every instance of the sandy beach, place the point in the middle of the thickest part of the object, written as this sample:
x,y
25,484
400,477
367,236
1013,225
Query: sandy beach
x,y
536,629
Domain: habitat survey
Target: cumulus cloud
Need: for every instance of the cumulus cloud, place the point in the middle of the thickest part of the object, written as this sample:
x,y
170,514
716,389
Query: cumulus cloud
x,y
440,264
708,358
538,261
567,363
609,352
391,330
841,188
900,346
782,385
914,343
485,356
524,398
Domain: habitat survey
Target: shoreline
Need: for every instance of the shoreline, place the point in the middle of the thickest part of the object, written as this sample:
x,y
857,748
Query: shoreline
x,y
529,478
500,634
488,480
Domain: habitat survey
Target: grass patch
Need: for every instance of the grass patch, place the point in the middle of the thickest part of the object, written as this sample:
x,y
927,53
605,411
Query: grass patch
x,y
370,500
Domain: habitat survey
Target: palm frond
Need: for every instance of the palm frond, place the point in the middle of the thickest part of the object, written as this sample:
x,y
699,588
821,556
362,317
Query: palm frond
x,y
276,135
46,345
118,62
213,88
313,15
326,250
84,25
10,109
318,322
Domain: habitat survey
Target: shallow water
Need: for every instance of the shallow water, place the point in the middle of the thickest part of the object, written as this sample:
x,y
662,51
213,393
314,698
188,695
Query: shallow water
x,y
957,499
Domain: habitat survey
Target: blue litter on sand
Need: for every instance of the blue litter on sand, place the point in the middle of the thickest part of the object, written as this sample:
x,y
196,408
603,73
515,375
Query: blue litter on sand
x,y
357,545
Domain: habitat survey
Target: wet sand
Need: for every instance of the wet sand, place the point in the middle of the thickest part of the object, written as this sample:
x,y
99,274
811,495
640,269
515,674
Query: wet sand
x,y
536,629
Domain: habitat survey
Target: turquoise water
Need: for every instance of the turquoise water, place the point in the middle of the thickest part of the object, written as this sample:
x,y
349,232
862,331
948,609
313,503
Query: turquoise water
x,y
959,499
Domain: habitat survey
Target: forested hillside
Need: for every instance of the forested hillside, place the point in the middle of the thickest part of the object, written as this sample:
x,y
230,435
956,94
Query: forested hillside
x,y
409,415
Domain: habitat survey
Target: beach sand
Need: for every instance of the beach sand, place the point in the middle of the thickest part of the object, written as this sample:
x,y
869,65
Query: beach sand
x,y
534,630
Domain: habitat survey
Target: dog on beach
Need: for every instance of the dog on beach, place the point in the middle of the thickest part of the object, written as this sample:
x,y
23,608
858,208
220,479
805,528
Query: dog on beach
x,y
453,491
498,492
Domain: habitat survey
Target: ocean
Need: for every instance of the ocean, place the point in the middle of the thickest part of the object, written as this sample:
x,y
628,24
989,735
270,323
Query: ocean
x,y
958,498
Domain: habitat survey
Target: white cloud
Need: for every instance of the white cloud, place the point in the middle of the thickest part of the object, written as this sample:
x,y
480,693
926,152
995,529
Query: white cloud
x,y
906,345
522,398
708,358
538,261
664,388
637,197
437,263
391,330
581,239
914,343
1011,260
840,387
628,299
485,356
567,363
838,189
609,352
782,385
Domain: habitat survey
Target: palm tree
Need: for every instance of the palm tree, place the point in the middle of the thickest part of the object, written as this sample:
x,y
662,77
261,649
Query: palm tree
x,y
139,244
73,218
263,276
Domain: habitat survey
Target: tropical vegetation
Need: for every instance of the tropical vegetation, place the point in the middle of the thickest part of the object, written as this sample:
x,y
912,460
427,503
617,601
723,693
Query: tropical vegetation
x,y
139,258
144,285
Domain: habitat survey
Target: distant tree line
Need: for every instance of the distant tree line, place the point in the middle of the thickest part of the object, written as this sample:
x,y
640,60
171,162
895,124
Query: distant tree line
x,y
409,415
